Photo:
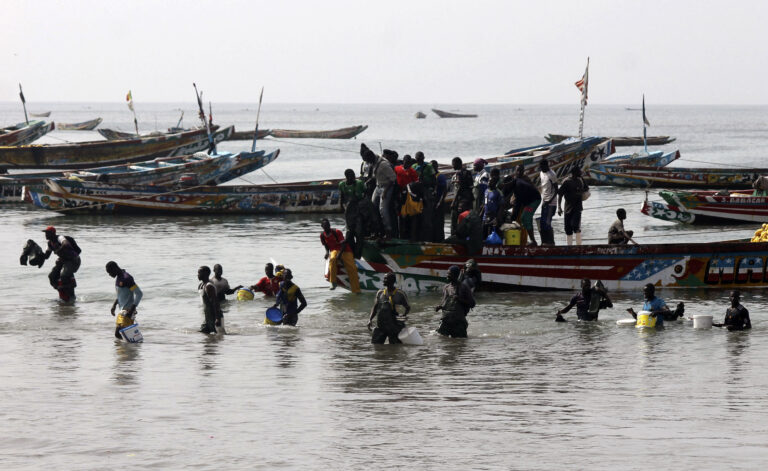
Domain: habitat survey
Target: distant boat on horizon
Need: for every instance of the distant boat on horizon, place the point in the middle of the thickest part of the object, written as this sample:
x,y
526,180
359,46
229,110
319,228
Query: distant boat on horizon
x,y
446,114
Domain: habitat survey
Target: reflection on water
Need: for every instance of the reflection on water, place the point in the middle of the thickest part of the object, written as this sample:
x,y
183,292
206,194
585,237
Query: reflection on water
x,y
127,362
209,356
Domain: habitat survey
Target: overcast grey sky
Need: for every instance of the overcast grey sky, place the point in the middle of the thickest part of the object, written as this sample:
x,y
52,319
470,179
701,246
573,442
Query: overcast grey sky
x,y
686,52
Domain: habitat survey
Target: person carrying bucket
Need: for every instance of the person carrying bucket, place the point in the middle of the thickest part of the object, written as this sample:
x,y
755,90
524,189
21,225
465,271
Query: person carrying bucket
x,y
588,302
456,303
736,316
657,307
388,322
288,299
128,297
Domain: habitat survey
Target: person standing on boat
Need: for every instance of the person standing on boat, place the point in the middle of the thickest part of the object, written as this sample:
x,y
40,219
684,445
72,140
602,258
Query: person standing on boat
x,y
221,284
352,193
586,309
366,170
736,316
480,184
211,308
337,249
428,180
288,298
548,186
128,297
385,178
62,275
617,235
266,284
657,307
491,204
462,186
456,303
573,190
527,199
441,189
389,323
406,175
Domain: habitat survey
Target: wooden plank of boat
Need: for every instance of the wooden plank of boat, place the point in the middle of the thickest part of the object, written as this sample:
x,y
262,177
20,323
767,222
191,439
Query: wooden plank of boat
x,y
343,133
619,141
84,126
248,135
448,114
713,207
95,153
675,177
421,267
44,114
24,133
207,170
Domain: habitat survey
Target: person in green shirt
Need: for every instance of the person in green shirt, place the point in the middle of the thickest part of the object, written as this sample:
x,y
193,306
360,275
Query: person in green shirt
x,y
352,195
428,179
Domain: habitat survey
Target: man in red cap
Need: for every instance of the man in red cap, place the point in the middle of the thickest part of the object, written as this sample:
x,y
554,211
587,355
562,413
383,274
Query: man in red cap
x,y
62,275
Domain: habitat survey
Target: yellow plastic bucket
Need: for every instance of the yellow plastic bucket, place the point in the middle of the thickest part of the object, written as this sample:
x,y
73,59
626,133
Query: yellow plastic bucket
x,y
244,295
645,320
512,237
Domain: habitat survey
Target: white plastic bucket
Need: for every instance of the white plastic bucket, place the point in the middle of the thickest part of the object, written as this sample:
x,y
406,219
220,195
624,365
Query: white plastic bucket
x,y
132,334
702,321
410,336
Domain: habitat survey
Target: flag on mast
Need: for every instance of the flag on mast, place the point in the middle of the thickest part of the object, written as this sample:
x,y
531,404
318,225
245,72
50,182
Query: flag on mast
x,y
583,84
129,99
645,120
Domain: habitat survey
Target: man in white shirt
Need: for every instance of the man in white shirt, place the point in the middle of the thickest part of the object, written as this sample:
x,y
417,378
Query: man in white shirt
x,y
548,188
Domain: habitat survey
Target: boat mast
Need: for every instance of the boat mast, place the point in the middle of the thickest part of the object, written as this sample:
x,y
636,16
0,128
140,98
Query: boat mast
x,y
24,104
583,85
256,129
645,123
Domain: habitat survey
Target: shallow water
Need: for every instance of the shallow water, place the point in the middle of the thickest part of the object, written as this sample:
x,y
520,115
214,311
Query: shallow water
x,y
523,392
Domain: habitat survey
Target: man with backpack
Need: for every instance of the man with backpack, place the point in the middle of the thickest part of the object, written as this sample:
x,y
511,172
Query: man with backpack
x,y
62,275
456,303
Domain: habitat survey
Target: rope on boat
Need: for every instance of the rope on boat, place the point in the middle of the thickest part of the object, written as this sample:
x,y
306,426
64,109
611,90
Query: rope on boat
x,y
269,176
705,162
313,145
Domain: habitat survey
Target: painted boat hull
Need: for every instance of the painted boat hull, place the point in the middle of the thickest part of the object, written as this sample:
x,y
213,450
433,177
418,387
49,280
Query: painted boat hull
x,y
422,267
619,141
99,153
24,133
710,207
84,126
447,114
675,177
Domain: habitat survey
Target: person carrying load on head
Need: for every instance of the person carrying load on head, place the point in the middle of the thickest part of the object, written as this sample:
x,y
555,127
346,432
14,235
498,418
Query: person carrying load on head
x,y
617,235
388,322
456,303
62,275
288,299
337,249
736,316
588,302
657,307
128,297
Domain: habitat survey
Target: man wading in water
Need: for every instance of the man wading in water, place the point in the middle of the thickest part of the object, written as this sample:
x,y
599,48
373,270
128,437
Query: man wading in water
x,y
211,307
387,323
456,303
62,275
128,296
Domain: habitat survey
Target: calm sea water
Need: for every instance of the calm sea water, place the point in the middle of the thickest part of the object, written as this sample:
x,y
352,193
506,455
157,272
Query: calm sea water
x,y
523,392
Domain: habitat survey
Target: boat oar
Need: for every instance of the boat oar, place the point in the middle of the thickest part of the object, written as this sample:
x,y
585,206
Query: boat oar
x,y
23,103
256,130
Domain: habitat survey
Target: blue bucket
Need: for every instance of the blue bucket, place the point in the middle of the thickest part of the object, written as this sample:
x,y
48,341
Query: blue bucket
x,y
274,314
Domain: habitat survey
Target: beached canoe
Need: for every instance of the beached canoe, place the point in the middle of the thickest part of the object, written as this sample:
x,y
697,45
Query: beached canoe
x,y
675,177
84,126
44,114
448,114
24,133
620,141
422,266
709,207
100,153
343,133
248,135
200,168
219,135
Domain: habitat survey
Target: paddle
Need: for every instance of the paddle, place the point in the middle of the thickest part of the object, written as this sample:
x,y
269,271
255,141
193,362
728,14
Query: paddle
x,y
212,148
256,130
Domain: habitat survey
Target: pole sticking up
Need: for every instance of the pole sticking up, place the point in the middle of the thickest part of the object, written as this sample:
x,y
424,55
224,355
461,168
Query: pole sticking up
x,y
212,145
645,123
256,129
583,86
24,104
129,99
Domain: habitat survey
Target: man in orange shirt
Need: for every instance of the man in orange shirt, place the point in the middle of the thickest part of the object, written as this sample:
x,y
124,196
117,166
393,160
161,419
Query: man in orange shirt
x,y
336,247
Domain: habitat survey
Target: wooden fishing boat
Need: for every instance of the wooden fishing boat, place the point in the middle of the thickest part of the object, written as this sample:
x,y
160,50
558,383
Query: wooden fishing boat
x,y
675,177
709,207
95,153
646,159
421,267
24,133
248,135
84,126
44,114
620,141
448,114
201,168
72,196
343,133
